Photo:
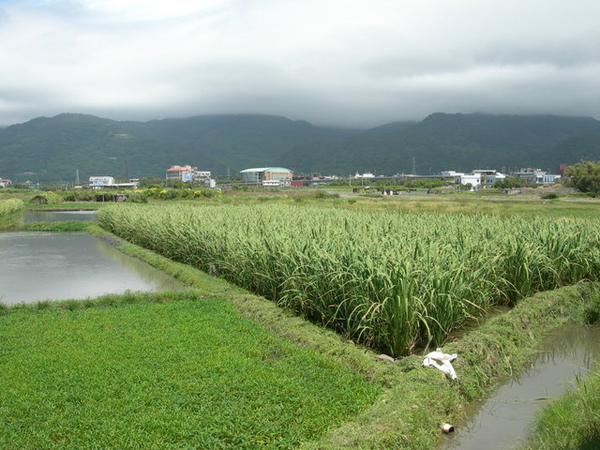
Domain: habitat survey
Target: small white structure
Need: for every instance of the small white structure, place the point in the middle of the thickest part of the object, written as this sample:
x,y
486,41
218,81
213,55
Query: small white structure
x,y
364,175
101,182
109,183
480,178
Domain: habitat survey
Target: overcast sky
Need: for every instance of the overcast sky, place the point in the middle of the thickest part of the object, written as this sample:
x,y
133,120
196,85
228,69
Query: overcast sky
x,y
330,62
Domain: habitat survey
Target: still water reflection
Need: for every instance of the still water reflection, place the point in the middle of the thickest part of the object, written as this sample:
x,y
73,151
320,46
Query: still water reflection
x,y
59,216
58,266
504,419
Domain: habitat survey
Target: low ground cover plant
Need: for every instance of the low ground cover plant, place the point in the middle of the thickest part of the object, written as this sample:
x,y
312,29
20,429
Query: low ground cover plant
x,y
189,373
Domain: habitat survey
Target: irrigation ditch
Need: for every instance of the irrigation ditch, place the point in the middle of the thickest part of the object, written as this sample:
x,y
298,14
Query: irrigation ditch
x,y
415,400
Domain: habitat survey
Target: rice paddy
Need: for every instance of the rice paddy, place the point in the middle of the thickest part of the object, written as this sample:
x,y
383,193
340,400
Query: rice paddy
x,y
395,282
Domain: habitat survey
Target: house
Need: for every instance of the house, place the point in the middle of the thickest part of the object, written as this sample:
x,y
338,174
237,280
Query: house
x,y
489,177
480,178
536,176
463,179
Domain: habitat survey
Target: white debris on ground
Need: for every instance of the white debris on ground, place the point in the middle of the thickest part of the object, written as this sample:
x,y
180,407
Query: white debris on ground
x,y
441,361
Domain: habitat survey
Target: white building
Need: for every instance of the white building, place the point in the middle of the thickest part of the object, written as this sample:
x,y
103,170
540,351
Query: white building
x,y
101,182
536,176
109,183
489,177
480,178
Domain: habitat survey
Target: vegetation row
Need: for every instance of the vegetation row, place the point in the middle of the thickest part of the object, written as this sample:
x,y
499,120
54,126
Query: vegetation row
x,y
395,282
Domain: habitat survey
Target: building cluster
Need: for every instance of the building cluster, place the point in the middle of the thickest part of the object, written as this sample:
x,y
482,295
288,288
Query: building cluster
x,y
280,176
5,182
174,174
478,179
188,174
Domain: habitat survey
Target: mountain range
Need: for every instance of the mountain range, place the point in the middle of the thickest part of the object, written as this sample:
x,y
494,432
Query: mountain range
x,y
61,148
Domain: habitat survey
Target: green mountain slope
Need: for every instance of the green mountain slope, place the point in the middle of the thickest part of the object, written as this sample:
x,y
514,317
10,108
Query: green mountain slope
x,y
54,149
236,142
461,142
579,148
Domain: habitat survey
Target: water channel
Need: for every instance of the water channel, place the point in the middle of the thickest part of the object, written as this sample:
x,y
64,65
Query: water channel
x,y
502,421
38,266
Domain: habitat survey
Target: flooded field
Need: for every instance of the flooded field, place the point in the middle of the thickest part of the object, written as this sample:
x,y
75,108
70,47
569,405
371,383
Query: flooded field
x,y
58,266
59,216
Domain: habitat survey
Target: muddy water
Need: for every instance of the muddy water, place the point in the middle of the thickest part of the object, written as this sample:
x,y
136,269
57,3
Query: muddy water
x,y
60,266
502,421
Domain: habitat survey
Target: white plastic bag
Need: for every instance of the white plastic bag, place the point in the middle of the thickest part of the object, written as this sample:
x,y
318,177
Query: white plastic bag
x,y
441,361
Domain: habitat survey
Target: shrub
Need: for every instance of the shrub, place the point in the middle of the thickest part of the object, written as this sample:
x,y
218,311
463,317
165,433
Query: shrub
x,y
550,196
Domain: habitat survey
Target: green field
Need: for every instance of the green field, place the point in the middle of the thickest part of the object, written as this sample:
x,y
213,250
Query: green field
x,y
187,373
218,367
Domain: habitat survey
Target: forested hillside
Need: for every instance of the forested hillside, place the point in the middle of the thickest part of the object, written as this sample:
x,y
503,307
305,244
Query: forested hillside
x,y
461,142
56,149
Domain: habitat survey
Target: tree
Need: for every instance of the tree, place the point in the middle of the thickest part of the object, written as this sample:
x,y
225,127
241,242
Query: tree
x,y
585,176
509,183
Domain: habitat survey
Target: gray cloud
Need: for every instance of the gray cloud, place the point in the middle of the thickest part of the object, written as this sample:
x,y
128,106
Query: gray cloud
x,y
332,62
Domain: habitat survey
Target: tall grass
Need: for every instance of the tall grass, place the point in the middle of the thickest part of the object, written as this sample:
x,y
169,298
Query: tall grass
x,y
393,281
10,211
11,206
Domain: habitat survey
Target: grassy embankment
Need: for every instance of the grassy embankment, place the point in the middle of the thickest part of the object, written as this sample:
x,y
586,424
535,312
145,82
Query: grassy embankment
x,y
573,421
415,400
